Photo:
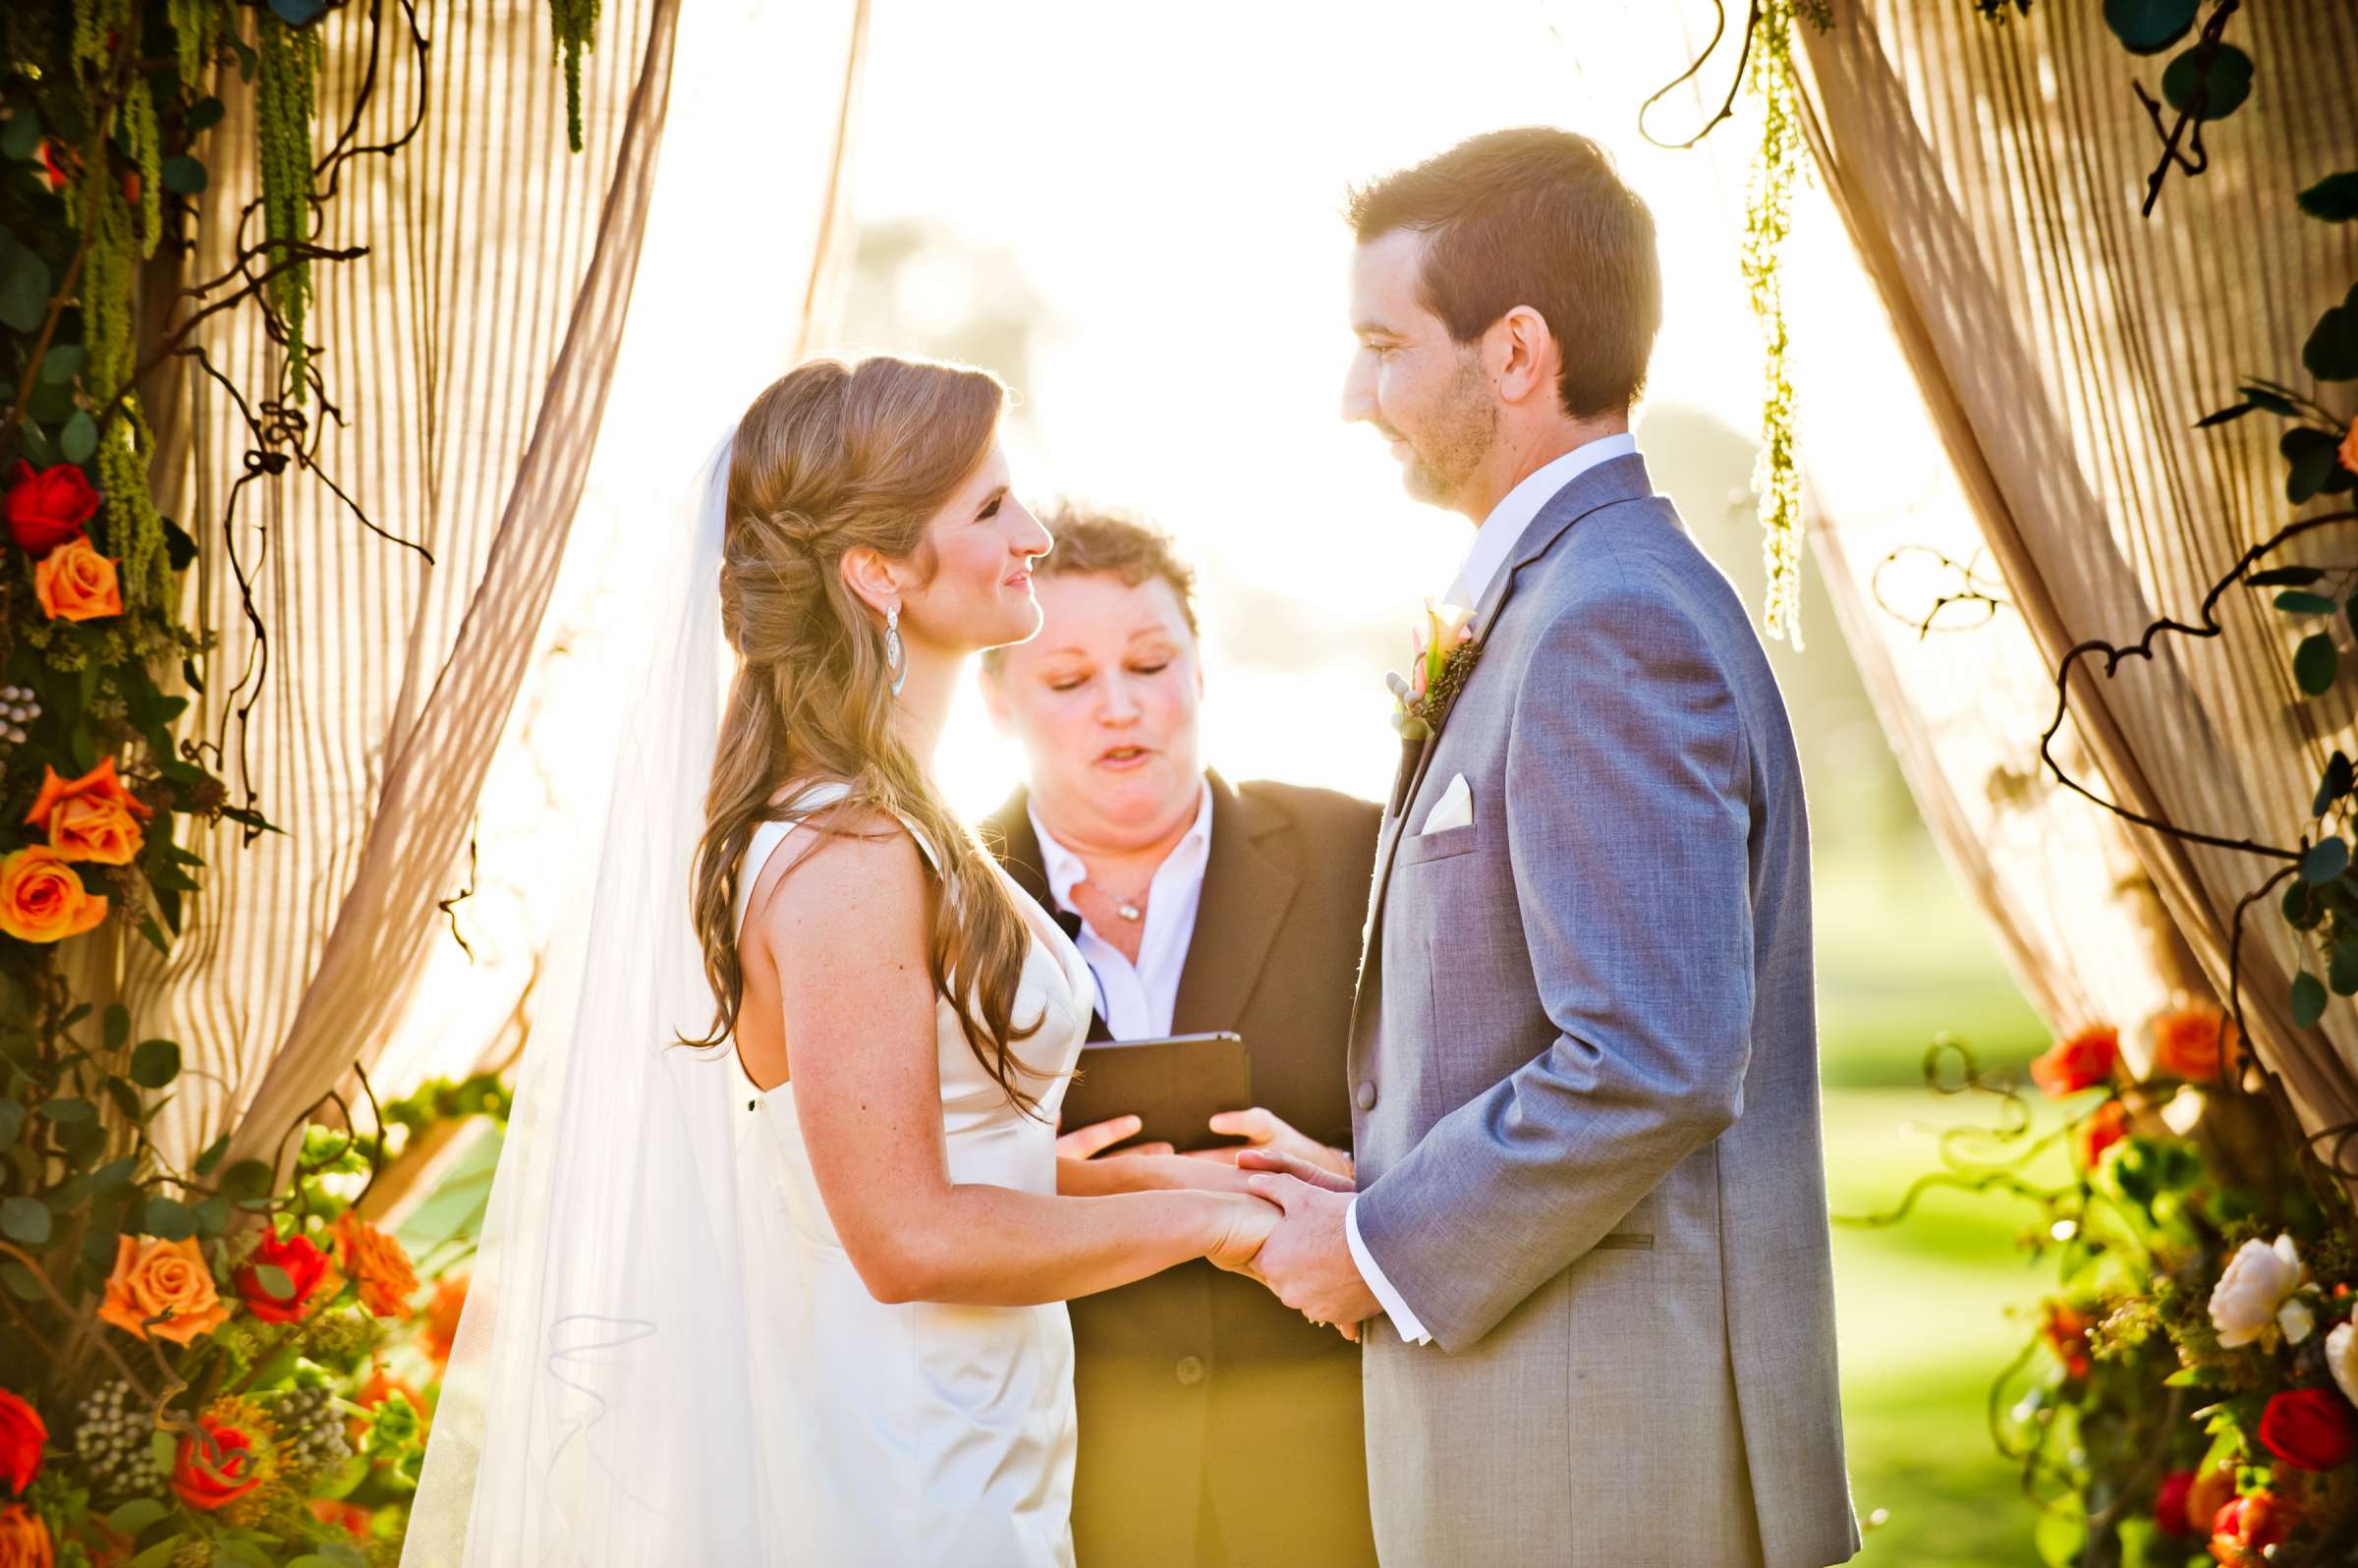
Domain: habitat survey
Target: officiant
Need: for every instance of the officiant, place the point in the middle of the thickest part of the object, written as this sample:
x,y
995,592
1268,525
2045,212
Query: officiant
x,y
1217,1427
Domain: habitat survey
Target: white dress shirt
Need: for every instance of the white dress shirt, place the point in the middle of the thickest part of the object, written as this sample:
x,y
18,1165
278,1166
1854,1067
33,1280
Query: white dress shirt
x,y
1136,1000
1494,542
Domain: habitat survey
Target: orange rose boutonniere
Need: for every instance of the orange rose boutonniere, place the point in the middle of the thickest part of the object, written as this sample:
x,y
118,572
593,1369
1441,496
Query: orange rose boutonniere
x,y
375,1262
161,1278
75,582
42,899
92,817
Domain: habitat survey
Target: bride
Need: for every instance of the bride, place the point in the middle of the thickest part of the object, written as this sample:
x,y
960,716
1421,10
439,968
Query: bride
x,y
776,1261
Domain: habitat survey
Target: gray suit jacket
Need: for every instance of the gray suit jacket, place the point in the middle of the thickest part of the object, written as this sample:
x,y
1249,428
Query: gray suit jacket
x,y
1584,1070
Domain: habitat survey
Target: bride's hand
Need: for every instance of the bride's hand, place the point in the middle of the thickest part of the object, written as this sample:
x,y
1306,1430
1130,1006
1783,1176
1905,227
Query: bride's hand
x,y
1241,1223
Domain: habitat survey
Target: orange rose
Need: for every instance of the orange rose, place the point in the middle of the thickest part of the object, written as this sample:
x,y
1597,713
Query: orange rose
x,y
2083,1061
375,1262
24,1538
75,582
162,1277
442,1310
354,1519
2349,448
42,899
2194,1043
90,818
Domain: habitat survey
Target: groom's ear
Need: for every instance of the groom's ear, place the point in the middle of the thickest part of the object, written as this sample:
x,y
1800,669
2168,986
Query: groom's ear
x,y
1525,358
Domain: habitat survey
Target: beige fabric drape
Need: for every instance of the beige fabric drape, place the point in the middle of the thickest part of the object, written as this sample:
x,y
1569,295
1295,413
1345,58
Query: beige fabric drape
x,y
357,687
1989,178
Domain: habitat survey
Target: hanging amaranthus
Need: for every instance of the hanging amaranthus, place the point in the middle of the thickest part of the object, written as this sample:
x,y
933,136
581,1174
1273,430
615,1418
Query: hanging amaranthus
x,y
143,142
573,22
194,23
110,275
1768,219
283,105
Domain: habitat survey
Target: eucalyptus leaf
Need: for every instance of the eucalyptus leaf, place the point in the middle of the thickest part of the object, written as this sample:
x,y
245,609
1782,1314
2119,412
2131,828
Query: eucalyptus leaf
x,y
136,1515
2286,577
248,1178
2326,859
2308,999
296,13
2342,969
163,1448
63,362
21,136
21,1282
2315,663
2300,906
212,1156
2228,84
80,438
168,1219
2313,455
2293,601
25,1219
114,1025
2149,26
11,1121
213,1215
24,289
184,175
2330,352
276,1281
167,1549
2334,199
70,1111
2336,782
155,1063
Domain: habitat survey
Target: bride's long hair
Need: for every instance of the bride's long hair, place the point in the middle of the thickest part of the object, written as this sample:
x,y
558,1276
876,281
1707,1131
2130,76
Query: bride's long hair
x,y
831,457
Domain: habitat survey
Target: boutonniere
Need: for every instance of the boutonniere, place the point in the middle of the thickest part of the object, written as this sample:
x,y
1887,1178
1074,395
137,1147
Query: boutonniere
x,y
1444,654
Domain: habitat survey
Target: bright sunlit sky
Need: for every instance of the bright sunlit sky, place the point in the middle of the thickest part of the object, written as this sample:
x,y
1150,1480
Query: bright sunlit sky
x,y
1166,183
1169,182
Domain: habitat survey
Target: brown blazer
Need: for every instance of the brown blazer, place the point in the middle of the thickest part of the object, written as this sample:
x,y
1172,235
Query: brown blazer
x,y
1217,1426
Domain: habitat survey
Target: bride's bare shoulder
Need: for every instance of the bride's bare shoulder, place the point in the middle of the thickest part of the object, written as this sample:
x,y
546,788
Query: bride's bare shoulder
x,y
846,863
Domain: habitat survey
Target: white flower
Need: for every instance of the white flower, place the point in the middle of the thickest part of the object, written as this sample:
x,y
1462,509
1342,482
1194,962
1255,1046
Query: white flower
x,y
2296,1319
2342,1360
2185,1108
2256,1286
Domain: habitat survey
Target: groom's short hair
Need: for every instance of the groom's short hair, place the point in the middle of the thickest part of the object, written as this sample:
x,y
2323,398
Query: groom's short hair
x,y
1533,216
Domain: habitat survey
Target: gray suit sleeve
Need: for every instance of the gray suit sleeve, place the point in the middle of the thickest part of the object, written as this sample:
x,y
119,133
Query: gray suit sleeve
x,y
1627,828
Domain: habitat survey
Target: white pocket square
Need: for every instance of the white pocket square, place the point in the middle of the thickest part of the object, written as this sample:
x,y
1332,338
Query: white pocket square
x,y
1455,809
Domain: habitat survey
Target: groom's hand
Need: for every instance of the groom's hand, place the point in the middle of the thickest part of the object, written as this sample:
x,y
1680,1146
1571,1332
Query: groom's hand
x,y
1296,1166
1307,1259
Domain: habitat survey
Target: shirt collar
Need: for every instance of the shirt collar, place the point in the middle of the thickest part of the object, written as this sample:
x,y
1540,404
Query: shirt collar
x,y
1064,868
1495,539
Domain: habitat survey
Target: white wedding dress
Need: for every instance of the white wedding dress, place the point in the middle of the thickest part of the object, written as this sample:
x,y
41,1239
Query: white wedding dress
x,y
917,1432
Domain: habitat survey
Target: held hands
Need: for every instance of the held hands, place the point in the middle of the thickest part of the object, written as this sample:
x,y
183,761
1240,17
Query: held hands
x,y
1307,1259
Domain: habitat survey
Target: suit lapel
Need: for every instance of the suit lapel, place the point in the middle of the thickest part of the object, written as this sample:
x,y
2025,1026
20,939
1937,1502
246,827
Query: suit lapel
x,y
1621,478
1246,895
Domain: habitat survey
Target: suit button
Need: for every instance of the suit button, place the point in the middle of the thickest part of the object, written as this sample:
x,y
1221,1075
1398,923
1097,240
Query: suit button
x,y
1366,1094
1191,1371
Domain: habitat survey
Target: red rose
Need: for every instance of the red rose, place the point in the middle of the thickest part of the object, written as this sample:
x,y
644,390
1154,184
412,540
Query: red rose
x,y
2246,1527
20,1437
207,1479
2169,1504
308,1268
48,508
2083,1061
2309,1429
52,172
2104,1127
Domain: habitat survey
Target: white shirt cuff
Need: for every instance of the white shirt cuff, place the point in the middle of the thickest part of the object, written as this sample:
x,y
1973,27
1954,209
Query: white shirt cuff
x,y
1404,1322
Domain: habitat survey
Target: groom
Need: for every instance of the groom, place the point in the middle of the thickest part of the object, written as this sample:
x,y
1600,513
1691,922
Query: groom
x,y
1589,1223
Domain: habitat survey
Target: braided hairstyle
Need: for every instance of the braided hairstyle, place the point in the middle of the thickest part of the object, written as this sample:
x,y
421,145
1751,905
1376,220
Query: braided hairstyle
x,y
829,458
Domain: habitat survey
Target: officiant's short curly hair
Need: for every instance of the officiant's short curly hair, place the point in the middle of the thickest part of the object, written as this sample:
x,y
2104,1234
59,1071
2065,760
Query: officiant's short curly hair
x,y
1097,538
1534,216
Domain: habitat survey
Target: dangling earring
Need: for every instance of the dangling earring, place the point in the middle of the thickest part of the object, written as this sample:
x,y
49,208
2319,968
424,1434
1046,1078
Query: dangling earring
x,y
894,659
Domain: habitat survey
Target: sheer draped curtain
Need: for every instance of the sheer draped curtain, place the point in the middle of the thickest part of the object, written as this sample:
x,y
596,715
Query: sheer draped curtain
x,y
2049,486
371,649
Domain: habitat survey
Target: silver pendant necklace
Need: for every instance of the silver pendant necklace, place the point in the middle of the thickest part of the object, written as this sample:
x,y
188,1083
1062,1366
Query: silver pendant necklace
x,y
1128,909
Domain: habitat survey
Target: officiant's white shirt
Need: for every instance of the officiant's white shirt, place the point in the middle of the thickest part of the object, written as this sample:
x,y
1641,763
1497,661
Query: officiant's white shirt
x,y
1135,1000
1494,542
